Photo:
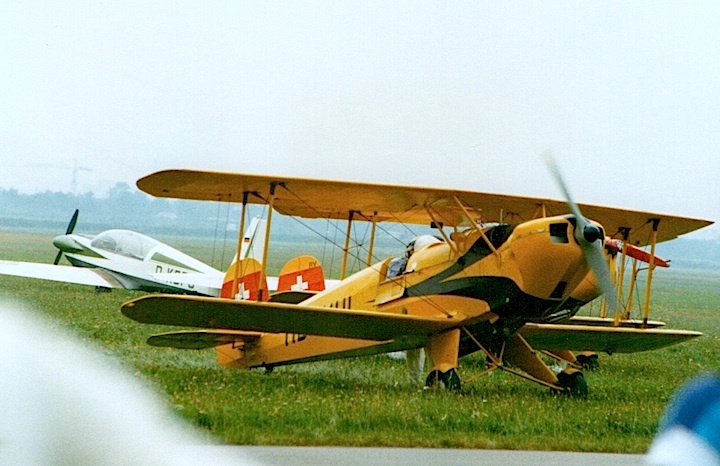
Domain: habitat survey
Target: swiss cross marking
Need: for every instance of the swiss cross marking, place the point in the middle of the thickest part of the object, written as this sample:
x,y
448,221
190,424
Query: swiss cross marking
x,y
299,284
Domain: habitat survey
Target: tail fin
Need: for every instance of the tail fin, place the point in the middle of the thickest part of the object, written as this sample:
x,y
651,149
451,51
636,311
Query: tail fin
x,y
245,287
303,273
248,283
253,242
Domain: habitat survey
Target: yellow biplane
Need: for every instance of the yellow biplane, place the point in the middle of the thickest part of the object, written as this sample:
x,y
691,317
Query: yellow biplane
x,y
504,275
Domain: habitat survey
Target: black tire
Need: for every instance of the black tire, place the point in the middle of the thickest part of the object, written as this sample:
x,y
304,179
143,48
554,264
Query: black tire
x,y
448,380
589,362
573,383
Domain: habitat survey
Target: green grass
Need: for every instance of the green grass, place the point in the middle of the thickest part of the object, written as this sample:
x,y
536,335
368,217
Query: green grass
x,y
366,401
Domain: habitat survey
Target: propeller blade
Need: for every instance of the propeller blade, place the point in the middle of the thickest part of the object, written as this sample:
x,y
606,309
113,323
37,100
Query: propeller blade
x,y
555,172
587,235
73,222
68,231
57,258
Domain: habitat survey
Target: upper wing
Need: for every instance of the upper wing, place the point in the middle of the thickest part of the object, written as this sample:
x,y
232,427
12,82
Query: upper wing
x,y
556,337
337,199
59,273
201,312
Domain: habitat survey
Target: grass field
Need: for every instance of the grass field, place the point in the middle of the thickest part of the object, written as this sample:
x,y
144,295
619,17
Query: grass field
x,y
367,402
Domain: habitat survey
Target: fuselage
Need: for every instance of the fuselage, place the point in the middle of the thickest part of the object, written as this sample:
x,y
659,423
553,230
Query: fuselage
x,y
135,261
494,279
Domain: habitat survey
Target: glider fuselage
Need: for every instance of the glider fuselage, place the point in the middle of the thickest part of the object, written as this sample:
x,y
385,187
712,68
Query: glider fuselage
x,y
134,260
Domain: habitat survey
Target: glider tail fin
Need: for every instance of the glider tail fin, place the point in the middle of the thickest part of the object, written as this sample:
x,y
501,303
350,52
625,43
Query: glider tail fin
x,y
253,242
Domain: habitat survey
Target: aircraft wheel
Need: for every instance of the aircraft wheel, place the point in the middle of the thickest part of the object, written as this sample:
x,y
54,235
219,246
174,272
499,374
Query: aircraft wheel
x,y
573,383
448,380
588,361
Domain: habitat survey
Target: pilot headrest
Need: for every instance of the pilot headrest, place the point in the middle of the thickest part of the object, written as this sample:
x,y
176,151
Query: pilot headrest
x,y
420,242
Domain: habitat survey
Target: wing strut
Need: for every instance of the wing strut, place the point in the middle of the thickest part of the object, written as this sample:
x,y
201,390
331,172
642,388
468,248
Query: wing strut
x,y
651,266
346,249
477,227
241,232
621,278
372,239
440,229
271,202
635,272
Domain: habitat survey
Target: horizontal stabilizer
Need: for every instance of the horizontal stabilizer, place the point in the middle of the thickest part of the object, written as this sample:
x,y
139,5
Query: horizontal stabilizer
x,y
557,337
636,252
201,339
202,312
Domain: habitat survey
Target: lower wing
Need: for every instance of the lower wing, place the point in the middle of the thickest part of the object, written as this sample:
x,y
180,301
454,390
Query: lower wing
x,y
271,317
610,322
557,337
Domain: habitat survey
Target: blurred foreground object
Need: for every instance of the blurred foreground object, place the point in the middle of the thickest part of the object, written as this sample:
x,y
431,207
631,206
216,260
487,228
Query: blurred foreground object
x,y
689,433
61,403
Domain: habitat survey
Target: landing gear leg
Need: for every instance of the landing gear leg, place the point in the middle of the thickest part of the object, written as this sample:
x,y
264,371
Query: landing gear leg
x,y
442,349
518,353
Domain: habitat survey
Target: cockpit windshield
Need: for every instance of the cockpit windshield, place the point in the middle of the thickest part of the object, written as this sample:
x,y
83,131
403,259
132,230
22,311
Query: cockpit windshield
x,y
124,242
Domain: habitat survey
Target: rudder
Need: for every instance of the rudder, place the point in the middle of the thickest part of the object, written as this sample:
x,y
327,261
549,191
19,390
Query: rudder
x,y
303,273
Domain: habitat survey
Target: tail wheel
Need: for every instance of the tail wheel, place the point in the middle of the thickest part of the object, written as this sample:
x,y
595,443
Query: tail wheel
x,y
448,380
573,383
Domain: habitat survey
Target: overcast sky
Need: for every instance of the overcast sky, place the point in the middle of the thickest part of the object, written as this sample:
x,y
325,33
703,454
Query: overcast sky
x,y
447,94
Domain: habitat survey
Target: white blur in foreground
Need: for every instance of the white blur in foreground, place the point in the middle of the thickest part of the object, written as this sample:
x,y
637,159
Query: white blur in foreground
x,y
61,403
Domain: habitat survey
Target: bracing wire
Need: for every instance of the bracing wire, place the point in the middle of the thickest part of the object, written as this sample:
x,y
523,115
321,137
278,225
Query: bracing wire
x,y
355,254
336,229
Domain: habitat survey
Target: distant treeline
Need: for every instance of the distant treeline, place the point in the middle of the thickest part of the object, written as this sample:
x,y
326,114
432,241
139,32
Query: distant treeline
x,y
128,208
123,207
